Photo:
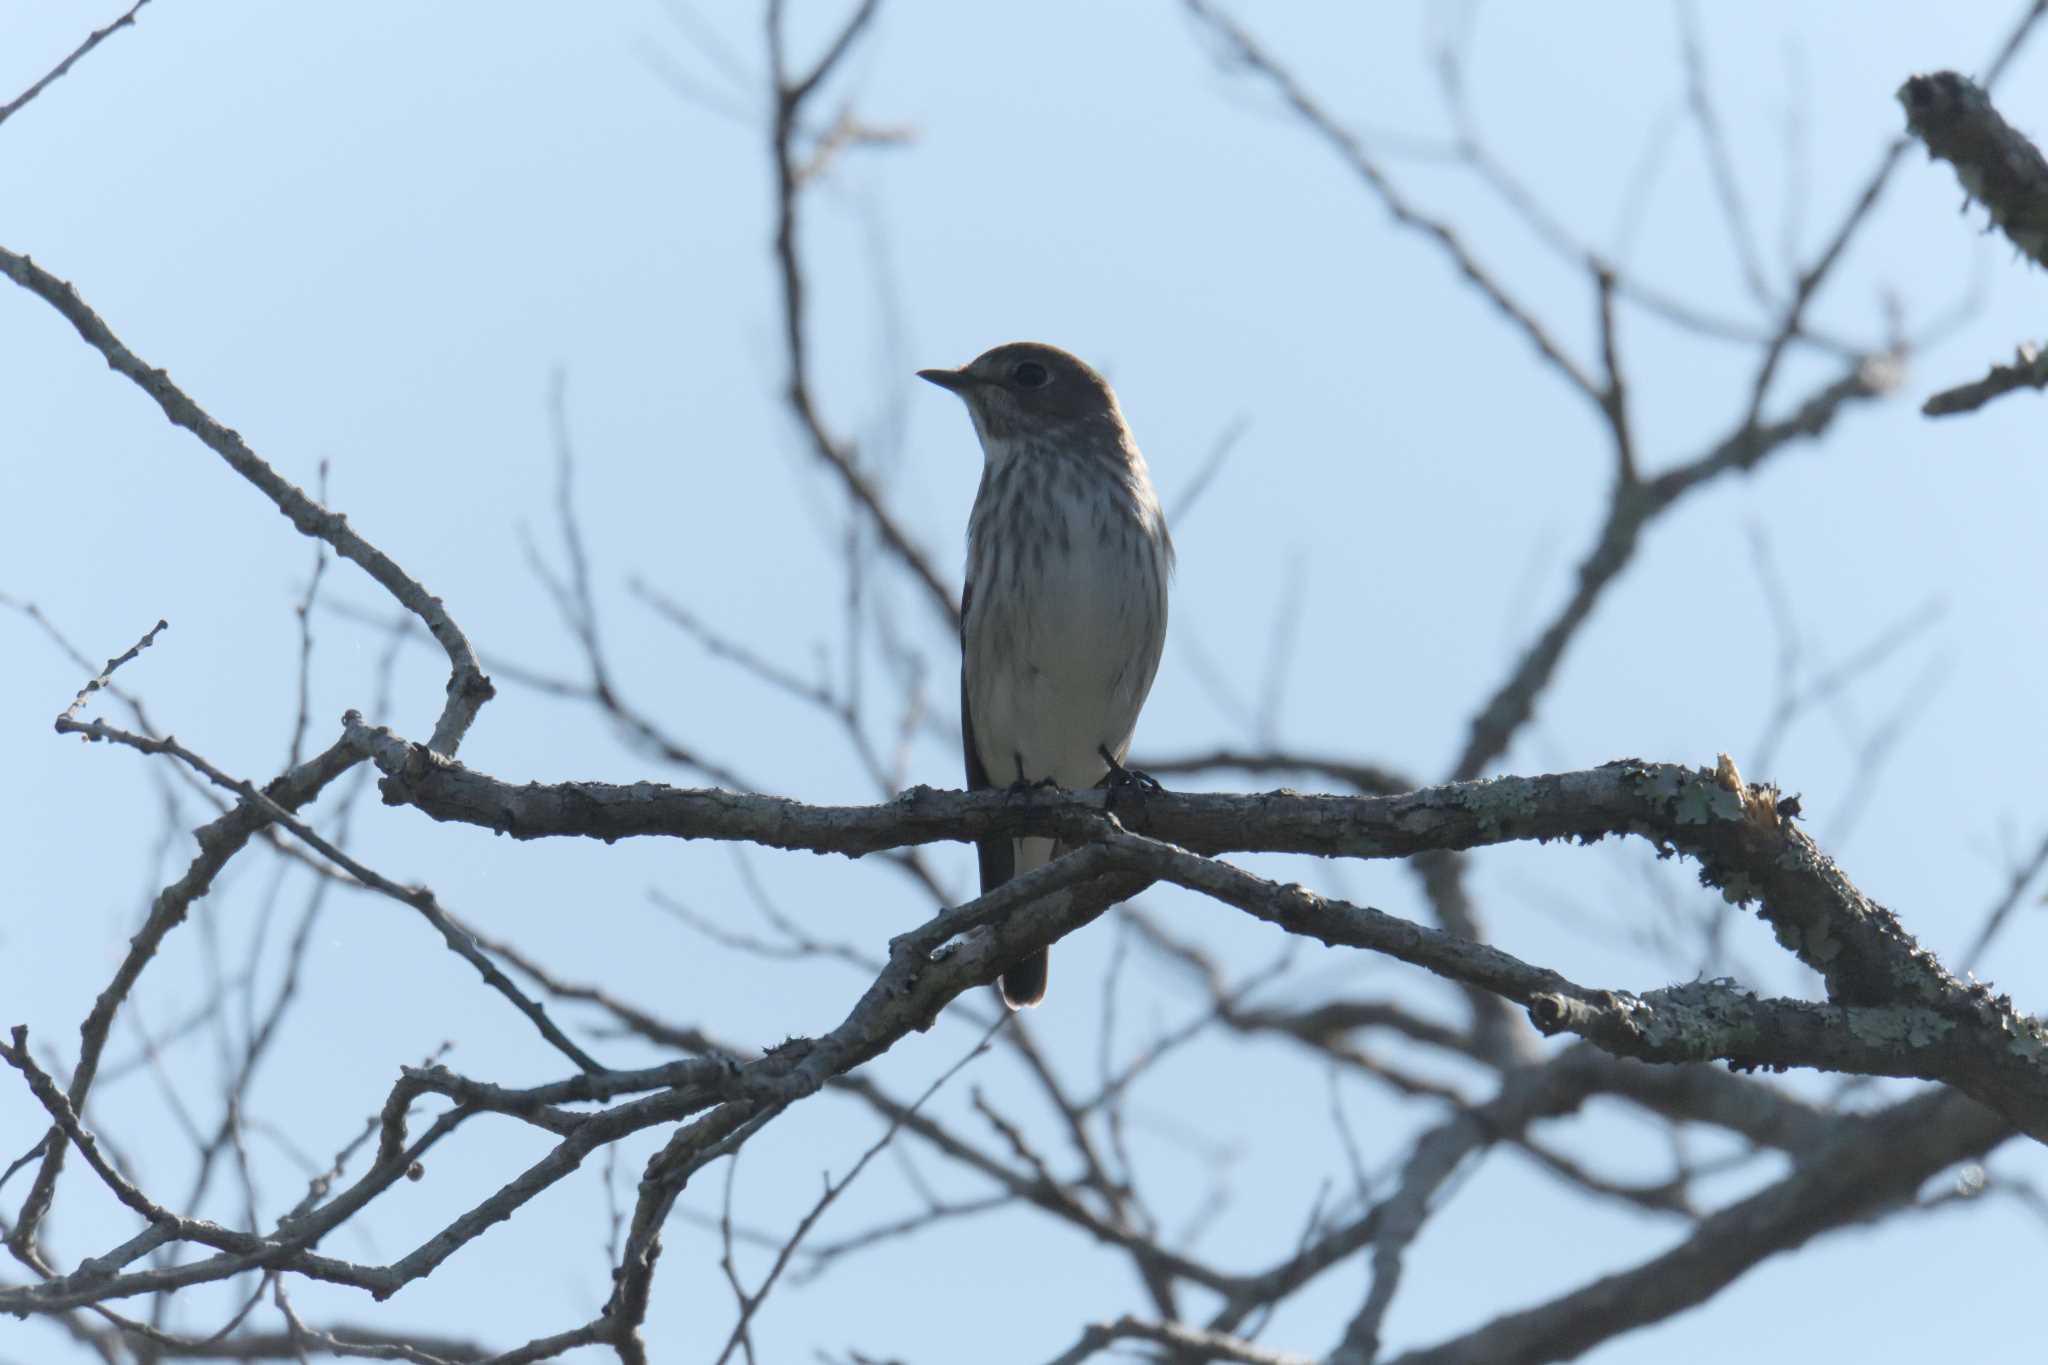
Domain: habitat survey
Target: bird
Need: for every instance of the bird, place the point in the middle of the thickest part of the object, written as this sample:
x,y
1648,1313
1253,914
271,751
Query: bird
x,y
1064,613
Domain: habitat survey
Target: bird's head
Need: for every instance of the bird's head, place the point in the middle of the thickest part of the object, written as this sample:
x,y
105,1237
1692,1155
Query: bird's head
x,y
1027,388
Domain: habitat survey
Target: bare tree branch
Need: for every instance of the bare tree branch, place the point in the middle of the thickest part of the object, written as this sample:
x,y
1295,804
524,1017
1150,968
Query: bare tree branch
x,y
1870,1164
1996,163
93,40
792,172
2029,370
1415,1046
468,688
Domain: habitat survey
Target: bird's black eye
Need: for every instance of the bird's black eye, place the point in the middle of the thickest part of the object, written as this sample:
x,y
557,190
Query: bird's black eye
x,y
1031,374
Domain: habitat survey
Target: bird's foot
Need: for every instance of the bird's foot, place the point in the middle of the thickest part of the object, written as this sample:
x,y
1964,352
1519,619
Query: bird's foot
x,y
1122,779
1024,786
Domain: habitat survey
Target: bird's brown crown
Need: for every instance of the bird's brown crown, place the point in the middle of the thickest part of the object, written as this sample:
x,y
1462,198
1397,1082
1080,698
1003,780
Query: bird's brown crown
x,y
1027,385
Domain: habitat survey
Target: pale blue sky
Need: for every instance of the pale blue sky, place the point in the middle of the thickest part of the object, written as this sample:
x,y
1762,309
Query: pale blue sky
x,y
368,233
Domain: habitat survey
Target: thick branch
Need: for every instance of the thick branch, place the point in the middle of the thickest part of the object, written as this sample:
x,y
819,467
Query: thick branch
x,y
1895,1010
1999,166
1995,162
1743,846
1872,1163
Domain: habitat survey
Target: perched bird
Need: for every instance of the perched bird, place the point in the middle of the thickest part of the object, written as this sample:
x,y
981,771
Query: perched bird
x,y
1065,609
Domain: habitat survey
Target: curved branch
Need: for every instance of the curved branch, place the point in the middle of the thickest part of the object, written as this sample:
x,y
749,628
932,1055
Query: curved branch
x,y
1743,845
468,688
1894,1009
219,841
1871,1163
790,177
1634,507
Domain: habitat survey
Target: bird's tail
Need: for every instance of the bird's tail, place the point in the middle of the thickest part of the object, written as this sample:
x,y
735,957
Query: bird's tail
x,y
1024,983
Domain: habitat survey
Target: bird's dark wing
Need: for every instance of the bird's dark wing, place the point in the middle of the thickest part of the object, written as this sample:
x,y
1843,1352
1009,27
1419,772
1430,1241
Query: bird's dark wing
x,y
998,856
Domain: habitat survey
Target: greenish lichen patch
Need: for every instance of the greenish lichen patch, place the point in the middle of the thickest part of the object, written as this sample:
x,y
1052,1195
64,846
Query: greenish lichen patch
x,y
1702,802
1899,1028
2028,1046
1498,801
1925,1030
1660,784
1739,888
1789,937
1699,1020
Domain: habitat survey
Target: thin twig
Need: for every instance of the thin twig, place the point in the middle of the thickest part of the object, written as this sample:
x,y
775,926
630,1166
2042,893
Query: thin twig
x,y
92,41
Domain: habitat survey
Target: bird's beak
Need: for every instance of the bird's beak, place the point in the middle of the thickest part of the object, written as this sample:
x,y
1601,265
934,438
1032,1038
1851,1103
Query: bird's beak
x,y
959,381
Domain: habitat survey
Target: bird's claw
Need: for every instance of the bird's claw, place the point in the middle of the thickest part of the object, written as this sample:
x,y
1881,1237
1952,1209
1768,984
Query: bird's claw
x,y
1121,778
